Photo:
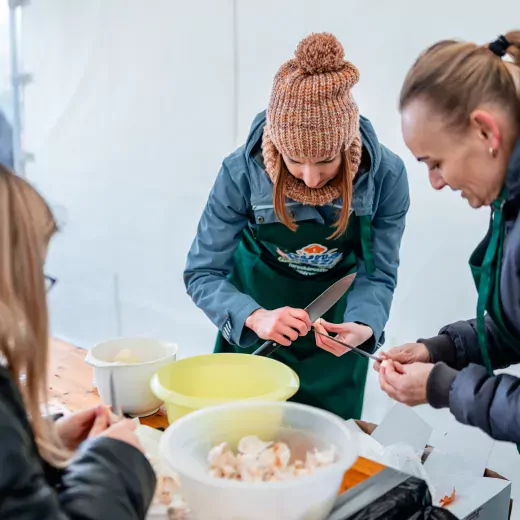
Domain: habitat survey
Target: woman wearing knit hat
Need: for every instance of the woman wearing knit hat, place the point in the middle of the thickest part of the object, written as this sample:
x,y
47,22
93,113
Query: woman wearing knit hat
x,y
309,198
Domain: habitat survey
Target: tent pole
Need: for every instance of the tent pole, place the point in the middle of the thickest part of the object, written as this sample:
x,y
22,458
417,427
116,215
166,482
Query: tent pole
x,y
18,80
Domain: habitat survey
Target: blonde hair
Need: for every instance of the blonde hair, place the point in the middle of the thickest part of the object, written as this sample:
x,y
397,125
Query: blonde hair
x,y
345,179
457,77
26,226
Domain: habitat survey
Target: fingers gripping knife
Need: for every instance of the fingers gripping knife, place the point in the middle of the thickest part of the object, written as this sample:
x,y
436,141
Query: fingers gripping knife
x,y
316,309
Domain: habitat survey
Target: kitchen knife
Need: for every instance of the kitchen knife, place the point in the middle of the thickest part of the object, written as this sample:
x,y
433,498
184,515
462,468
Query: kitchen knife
x,y
353,349
113,401
316,309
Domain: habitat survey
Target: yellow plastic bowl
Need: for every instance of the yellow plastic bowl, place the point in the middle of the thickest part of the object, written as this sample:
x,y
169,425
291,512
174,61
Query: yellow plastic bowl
x,y
201,381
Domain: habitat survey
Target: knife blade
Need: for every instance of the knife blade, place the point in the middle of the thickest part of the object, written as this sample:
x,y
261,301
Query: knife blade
x,y
316,309
113,401
353,349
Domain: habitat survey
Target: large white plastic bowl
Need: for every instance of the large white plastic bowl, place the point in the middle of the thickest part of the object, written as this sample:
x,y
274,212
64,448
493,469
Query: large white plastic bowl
x,y
131,381
186,443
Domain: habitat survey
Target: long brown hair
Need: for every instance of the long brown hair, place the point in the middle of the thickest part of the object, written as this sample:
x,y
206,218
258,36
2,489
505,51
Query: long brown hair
x,y
458,77
345,179
26,226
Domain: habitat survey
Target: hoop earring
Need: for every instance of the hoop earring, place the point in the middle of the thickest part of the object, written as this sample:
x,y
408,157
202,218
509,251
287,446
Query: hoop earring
x,y
493,152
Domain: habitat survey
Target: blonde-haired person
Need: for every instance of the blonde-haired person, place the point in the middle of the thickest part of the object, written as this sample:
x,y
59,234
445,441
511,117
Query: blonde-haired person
x,y
80,466
309,198
460,107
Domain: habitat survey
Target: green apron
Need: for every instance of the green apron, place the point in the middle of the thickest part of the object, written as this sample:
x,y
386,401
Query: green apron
x,y
486,265
278,267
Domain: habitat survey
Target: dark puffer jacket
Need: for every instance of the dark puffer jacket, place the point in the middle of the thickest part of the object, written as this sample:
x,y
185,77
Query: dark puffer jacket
x,y
459,379
108,479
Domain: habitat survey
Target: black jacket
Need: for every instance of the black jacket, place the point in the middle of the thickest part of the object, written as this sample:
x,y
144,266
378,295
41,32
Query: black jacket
x,y
459,379
108,479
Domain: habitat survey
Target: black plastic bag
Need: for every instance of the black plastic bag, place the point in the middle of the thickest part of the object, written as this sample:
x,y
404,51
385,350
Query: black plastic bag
x,y
410,500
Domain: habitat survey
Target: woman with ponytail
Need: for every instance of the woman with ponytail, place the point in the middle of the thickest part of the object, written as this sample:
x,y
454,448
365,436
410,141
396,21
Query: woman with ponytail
x,y
311,197
460,106
81,466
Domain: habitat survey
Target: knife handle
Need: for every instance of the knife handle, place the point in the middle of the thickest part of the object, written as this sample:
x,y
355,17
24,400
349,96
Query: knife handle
x,y
266,349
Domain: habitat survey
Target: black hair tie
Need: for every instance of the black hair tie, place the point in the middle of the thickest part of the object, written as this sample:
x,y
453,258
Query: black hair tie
x,y
500,46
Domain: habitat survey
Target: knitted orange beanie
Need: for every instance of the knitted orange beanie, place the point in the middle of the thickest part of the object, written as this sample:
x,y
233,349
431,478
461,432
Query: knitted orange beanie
x,y
312,114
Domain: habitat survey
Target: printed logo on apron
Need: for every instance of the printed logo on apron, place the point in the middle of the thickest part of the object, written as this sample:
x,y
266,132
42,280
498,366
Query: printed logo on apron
x,y
311,260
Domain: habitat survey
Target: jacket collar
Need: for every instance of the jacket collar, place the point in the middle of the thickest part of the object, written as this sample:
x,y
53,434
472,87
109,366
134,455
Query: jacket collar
x,y
513,173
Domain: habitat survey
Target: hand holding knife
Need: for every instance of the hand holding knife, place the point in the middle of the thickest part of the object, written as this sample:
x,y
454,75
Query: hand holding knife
x,y
316,310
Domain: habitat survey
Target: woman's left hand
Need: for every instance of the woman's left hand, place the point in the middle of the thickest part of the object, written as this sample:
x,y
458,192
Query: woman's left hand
x,y
353,334
73,429
405,383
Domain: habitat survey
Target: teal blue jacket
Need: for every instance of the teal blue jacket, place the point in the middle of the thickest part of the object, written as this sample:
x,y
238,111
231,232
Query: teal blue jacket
x,y
242,196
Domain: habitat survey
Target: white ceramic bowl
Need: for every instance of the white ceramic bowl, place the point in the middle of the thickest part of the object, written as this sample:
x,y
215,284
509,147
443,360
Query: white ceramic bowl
x,y
186,444
131,381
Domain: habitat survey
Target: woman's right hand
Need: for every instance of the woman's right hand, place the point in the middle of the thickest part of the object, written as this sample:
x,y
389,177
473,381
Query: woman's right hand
x,y
282,325
406,354
124,430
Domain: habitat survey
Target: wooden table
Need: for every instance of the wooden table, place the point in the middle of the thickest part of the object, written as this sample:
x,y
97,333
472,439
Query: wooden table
x,y
70,389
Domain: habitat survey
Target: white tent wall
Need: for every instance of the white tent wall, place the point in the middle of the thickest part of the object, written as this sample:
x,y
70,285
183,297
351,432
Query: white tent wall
x,y
128,118
136,103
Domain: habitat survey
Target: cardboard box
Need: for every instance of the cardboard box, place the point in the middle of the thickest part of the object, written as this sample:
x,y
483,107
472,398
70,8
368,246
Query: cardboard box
x,y
480,493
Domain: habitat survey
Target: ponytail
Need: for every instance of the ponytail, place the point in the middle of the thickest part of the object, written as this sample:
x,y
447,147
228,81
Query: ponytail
x,y
457,77
513,52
